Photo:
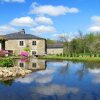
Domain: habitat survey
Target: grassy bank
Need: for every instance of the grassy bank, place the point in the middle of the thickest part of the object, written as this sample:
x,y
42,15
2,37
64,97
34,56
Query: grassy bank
x,y
54,57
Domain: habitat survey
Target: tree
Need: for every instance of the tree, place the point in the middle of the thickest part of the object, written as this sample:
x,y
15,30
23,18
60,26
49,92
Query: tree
x,y
64,38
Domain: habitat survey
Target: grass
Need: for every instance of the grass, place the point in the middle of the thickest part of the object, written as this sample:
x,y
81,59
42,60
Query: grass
x,y
54,57
12,57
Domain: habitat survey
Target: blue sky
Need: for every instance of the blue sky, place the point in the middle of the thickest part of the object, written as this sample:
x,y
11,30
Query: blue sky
x,y
50,18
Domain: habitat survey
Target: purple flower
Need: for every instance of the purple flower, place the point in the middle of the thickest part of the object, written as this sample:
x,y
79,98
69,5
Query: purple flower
x,y
24,60
24,53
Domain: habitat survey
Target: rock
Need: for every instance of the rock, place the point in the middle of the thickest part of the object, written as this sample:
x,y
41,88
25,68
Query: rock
x,y
10,74
0,74
5,75
13,72
28,71
22,73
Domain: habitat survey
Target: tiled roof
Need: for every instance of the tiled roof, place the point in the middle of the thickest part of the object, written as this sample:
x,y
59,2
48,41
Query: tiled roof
x,y
21,35
55,45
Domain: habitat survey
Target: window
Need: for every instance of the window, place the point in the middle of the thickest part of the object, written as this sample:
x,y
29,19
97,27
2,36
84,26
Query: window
x,y
21,64
33,64
33,52
21,43
33,42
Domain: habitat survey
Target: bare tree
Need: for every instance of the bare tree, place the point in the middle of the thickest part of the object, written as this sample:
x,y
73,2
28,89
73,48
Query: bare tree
x,y
64,38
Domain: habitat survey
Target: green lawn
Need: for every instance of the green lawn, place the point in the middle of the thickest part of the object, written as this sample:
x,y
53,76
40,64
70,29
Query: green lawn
x,y
54,57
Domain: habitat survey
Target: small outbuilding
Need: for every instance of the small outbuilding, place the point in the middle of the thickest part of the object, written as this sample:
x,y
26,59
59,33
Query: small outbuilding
x,y
56,48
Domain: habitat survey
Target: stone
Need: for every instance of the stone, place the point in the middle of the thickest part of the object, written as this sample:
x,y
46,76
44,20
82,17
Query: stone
x,y
0,74
10,74
13,72
28,71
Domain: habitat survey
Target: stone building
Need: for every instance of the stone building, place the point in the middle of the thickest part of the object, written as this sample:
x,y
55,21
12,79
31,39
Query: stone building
x,y
56,48
17,42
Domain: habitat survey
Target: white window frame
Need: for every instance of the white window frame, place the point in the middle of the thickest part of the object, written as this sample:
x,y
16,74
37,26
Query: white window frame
x,y
23,64
34,66
19,43
32,51
35,41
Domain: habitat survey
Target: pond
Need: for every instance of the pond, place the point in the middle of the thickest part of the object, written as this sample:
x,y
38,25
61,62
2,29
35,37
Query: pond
x,y
54,80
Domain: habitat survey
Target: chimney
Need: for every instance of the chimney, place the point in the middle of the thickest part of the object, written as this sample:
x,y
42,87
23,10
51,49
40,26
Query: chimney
x,y
23,31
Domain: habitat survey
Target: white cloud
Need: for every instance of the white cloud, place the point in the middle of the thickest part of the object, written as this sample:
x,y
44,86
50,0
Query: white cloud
x,y
51,10
96,75
19,1
44,20
66,36
95,27
5,29
55,89
43,29
47,71
23,21
94,71
44,79
96,19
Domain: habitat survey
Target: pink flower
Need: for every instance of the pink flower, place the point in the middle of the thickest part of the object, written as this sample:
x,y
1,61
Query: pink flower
x,y
24,53
24,60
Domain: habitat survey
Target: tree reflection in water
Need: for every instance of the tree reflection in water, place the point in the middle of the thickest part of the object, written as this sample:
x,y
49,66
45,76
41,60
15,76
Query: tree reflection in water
x,y
82,72
65,69
7,83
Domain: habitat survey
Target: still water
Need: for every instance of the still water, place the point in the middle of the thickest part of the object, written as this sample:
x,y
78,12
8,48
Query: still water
x,y
54,80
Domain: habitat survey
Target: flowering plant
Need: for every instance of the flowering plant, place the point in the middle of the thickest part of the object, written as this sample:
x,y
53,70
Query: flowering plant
x,y
24,54
24,60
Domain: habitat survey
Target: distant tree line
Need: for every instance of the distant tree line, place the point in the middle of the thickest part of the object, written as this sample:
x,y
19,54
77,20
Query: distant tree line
x,y
89,43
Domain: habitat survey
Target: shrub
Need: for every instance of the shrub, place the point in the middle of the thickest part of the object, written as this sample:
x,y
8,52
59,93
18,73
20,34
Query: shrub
x,y
61,54
64,55
27,49
78,55
3,53
6,62
67,55
71,55
82,55
99,55
57,54
90,55
74,55
95,55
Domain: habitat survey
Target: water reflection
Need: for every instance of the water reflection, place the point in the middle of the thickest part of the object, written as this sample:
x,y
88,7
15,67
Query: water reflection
x,y
30,63
55,89
27,63
55,80
82,71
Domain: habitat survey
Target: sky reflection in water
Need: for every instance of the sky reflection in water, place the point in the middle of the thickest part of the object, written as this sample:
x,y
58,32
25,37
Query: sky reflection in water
x,y
61,80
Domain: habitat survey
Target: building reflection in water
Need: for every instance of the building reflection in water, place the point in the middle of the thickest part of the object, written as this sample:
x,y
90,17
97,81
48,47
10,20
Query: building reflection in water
x,y
31,63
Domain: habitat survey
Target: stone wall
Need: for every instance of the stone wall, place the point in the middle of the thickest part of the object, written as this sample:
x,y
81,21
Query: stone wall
x,y
14,45
54,50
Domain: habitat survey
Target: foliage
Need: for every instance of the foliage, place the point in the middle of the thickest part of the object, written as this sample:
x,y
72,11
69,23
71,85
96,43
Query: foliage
x,y
27,48
51,41
7,62
87,59
61,54
95,55
89,43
